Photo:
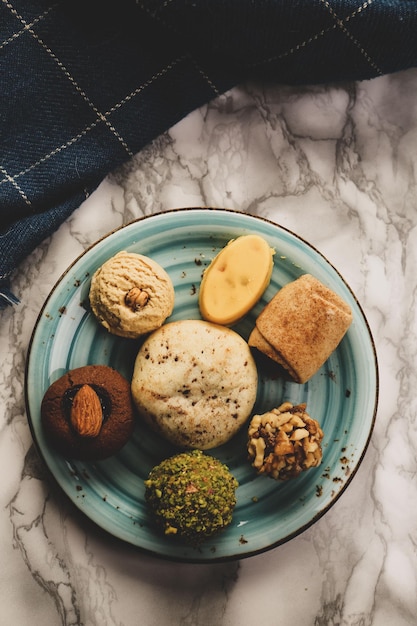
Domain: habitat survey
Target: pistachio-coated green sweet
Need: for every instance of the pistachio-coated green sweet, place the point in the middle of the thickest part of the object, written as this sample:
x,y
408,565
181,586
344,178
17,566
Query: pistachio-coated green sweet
x,y
191,496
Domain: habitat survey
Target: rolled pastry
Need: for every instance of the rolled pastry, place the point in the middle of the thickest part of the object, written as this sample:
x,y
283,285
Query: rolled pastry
x,y
301,326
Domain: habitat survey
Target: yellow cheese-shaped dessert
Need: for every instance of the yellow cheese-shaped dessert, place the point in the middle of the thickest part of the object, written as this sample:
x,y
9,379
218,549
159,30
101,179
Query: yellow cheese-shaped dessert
x,y
235,279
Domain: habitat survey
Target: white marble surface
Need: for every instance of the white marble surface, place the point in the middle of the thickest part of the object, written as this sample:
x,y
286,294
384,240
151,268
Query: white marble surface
x,y
338,165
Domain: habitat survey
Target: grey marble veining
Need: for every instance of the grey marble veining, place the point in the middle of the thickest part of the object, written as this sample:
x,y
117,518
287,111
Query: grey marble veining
x,y
337,165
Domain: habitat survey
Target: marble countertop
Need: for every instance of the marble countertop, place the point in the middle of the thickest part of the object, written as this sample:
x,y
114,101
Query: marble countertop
x,y
337,164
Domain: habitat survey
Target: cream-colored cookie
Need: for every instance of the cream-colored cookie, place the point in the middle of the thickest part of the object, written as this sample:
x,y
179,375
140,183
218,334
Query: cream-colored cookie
x,y
195,383
131,295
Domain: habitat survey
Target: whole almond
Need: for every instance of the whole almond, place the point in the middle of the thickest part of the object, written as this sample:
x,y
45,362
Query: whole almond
x,y
86,412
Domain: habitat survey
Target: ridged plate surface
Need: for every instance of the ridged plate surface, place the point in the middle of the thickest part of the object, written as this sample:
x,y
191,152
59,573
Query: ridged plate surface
x,y
342,396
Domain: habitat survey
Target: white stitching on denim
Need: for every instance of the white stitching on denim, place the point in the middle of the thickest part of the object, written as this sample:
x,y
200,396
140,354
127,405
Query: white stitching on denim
x,y
341,24
25,28
87,129
147,83
295,48
206,77
70,78
314,37
153,15
54,152
11,180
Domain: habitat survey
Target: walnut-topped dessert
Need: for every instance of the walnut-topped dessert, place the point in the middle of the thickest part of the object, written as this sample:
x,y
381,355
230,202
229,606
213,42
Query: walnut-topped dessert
x,y
284,442
131,295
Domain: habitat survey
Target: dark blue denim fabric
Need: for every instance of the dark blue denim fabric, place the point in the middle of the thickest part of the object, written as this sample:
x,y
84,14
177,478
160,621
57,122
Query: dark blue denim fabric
x,y
87,84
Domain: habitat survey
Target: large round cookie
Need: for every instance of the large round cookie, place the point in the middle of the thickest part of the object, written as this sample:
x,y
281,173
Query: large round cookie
x,y
195,383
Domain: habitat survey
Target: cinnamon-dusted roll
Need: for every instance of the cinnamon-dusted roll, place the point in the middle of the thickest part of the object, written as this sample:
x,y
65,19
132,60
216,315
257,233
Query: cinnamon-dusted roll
x,y
301,326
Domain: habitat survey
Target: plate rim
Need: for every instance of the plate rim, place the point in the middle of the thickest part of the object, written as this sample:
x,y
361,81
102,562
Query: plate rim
x,y
201,559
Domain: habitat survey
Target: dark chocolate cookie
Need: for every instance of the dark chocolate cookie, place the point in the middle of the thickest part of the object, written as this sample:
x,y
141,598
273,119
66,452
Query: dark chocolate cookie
x,y
105,398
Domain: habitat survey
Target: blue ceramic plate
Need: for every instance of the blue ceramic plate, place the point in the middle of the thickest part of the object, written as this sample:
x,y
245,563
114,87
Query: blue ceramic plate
x,y
342,396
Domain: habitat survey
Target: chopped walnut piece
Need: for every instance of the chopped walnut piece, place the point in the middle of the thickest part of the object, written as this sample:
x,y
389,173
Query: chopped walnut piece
x,y
284,442
136,298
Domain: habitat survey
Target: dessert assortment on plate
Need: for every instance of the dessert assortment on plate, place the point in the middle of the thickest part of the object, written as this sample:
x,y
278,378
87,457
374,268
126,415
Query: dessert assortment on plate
x,y
195,381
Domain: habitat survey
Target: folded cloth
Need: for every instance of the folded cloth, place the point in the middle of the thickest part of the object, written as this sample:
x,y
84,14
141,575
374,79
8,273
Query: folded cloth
x,y
87,84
